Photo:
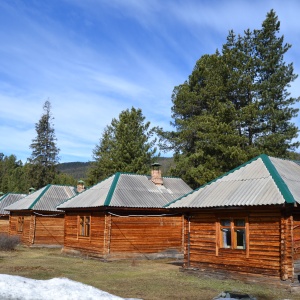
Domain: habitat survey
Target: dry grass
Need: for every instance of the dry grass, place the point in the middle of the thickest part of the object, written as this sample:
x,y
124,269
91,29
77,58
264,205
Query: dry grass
x,y
8,243
144,279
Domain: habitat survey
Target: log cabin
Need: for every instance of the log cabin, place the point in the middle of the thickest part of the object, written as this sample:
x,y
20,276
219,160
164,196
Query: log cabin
x,y
35,218
123,217
246,222
5,200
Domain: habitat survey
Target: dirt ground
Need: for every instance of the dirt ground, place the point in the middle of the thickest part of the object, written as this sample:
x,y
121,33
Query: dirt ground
x,y
143,279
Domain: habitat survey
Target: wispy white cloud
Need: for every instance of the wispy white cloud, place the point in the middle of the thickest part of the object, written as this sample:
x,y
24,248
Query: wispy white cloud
x,y
92,59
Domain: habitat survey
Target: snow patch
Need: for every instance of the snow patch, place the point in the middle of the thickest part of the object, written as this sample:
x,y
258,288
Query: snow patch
x,y
21,288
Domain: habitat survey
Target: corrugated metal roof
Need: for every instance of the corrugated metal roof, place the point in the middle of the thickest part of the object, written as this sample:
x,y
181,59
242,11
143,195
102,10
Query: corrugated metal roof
x,y
261,181
44,199
129,190
289,172
92,197
7,200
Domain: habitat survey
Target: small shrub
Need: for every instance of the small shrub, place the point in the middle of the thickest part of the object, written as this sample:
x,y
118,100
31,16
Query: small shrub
x,y
8,243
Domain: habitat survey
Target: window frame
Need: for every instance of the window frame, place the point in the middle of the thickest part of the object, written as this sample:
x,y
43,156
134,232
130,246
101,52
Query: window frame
x,y
84,226
20,223
233,229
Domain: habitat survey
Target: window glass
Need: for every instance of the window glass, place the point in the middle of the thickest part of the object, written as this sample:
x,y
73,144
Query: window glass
x,y
225,222
81,226
84,226
226,235
240,239
239,222
233,233
20,223
87,226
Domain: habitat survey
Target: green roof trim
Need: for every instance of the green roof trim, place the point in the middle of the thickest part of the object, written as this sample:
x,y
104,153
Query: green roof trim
x,y
3,196
39,197
112,189
212,181
287,195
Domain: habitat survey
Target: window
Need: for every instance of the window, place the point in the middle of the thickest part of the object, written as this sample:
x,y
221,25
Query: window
x,y
20,224
84,225
233,233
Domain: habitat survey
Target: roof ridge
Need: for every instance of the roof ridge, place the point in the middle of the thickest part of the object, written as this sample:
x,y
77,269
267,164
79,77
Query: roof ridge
x,y
39,197
112,189
88,188
280,183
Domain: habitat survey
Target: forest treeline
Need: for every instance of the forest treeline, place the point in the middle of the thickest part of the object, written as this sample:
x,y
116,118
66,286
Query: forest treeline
x,y
14,174
234,106
79,170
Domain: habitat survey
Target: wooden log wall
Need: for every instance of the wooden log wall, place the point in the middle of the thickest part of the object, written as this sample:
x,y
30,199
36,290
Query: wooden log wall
x,y
92,245
27,227
296,243
4,224
266,256
296,235
149,234
124,236
286,247
47,230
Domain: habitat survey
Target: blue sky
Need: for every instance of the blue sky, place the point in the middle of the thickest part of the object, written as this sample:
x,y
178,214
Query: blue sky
x,y
94,58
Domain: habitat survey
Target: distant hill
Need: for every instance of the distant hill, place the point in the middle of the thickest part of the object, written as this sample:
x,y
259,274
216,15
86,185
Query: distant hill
x,y
76,169
79,169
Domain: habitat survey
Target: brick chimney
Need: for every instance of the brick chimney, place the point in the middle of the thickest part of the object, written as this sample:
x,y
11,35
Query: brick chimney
x,y
156,177
80,186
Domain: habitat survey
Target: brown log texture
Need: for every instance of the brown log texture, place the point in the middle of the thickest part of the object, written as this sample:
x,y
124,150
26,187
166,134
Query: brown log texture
x,y
113,235
151,234
92,245
26,232
38,229
268,231
47,230
4,224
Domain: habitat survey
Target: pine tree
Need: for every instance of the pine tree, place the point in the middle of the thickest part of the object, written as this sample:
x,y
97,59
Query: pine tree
x,y
44,157
206,141
11,174
127,145
234,106
239,57
274,77
102,166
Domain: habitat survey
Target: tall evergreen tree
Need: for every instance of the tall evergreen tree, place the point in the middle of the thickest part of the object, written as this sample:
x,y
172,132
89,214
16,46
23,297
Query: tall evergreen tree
x,y
206,141
126,145
238,55
11,174
234,106
44,157
274,77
